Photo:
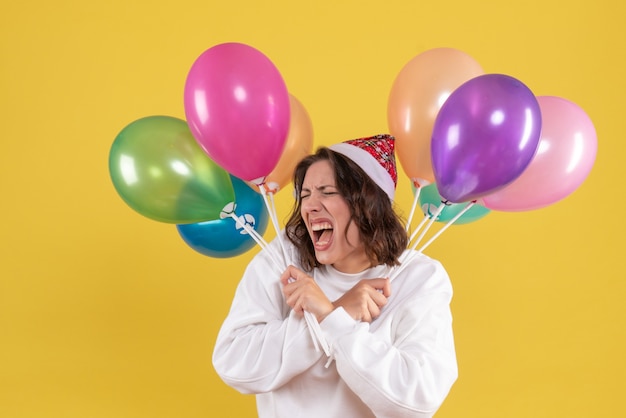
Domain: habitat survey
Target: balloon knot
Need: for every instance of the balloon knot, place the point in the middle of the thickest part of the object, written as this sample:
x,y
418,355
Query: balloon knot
x,y
258,181
270,187
228,210
417,182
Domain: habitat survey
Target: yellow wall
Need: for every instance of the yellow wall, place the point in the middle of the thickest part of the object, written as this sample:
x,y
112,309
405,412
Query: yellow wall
x,y
105,313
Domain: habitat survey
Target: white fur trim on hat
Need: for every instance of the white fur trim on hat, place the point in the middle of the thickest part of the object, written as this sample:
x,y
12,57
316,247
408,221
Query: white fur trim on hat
x,y
368,163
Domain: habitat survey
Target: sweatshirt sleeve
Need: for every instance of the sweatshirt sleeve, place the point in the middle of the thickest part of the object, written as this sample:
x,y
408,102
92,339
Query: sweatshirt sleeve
x,y
411,373
262,344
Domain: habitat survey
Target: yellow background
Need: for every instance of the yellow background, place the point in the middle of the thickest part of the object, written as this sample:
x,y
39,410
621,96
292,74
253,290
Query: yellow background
x,y
105,313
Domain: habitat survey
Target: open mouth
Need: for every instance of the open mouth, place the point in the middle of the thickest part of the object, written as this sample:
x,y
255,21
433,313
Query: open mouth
x,y
322,233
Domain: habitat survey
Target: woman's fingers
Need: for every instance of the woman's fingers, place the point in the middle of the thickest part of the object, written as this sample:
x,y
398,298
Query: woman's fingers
x,y
364,301
303,294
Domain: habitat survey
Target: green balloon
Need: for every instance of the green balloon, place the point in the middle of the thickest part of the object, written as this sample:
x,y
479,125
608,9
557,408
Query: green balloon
x,y
160,171
430,199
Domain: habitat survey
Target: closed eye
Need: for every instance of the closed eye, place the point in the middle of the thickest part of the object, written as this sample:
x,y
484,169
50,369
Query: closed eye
x,y
328,190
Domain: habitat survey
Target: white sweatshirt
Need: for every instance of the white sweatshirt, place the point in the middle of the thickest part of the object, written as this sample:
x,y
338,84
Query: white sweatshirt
x,y
403,364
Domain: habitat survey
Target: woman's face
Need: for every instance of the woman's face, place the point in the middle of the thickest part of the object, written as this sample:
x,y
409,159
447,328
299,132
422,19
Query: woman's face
x,y
327,215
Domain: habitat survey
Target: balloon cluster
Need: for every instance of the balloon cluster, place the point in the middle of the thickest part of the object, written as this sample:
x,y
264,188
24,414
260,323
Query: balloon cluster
x,y
465,136
243,130
461,136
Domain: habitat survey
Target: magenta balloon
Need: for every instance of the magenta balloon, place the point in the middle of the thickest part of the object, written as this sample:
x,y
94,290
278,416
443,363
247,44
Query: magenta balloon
x,y
566,153
484,136
237,107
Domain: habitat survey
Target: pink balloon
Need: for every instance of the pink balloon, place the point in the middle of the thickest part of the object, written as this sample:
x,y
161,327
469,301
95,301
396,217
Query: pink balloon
x,y
565,155
237,107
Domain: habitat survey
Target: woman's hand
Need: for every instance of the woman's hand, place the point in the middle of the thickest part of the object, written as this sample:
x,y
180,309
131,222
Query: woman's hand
x,y
365,300
303,294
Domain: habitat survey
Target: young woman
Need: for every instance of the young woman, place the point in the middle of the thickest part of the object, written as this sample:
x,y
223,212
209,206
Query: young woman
x,y
391,343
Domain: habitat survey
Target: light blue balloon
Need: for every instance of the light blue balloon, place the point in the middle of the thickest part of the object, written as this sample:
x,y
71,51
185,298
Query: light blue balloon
x,y
223,238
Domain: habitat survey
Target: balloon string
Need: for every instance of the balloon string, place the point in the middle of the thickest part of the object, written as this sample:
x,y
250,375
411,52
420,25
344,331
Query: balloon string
x,y
271,210
419,227
413,207
311,321
251,231
259,240
431,220
447,225
316,333
313,326
404,259
410,255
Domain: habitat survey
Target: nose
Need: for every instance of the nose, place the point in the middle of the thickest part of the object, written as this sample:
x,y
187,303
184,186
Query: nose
x,y
311,203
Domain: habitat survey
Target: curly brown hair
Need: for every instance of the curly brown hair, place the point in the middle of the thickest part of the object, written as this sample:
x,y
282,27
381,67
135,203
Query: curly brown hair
x,y
381,229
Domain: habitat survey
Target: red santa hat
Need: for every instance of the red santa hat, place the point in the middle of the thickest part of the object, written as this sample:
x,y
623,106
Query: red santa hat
x,y
375,155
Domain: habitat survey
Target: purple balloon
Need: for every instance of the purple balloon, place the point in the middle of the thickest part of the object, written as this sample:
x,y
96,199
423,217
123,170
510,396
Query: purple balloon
x,y
484,136
237,107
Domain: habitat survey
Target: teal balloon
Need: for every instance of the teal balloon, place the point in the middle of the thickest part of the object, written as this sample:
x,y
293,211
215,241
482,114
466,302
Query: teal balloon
x,y
160,171
223,238
430,199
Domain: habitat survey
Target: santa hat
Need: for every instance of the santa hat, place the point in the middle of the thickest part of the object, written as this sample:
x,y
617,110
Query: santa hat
x,y
375,155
